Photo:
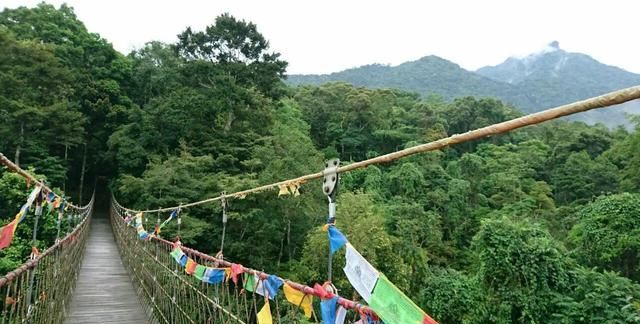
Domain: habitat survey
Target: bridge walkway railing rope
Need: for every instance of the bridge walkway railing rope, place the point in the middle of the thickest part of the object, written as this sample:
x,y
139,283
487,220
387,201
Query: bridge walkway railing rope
x,y
39,290
55,273
172,296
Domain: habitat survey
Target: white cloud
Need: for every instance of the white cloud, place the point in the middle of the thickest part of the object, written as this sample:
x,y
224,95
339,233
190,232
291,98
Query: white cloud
x,y
331,35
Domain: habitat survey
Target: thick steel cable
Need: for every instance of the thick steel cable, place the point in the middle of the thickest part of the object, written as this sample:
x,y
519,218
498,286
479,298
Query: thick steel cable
x,y
606,100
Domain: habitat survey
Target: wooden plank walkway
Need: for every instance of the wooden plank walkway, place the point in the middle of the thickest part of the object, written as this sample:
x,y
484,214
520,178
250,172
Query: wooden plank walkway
x,y
104,292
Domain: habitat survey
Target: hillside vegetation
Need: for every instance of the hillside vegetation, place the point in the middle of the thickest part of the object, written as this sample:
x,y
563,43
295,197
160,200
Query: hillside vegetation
x,y
538,225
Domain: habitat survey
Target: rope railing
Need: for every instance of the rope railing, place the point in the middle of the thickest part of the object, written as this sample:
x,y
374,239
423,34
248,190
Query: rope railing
x,y
603,101
30,179
171,296
39,290
55,271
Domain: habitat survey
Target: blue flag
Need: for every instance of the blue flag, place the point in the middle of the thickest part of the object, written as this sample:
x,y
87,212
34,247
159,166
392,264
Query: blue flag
x,y
213,276
183,260
328,310
336,239
272,284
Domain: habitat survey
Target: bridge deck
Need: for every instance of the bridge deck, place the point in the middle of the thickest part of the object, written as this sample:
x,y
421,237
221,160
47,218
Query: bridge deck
x,y
104,292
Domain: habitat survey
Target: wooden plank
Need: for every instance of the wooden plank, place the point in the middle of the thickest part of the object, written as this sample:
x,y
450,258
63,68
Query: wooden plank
x,y
104,292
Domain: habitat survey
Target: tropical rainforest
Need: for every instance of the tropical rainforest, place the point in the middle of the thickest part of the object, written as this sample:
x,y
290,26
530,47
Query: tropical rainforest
x,y
537,225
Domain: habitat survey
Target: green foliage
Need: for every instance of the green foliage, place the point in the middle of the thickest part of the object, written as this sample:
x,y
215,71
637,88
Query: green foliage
x,y
475,233
598,297
607,234
520,268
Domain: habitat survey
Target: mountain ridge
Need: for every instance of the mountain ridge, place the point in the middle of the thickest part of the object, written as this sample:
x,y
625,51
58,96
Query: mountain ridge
x,y
540,80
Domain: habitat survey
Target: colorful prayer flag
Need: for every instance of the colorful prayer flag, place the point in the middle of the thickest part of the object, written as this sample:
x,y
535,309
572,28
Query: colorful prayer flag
x,y
6,234
395,307
213,276
264,315
341,314
254,284
299,299
179,256
328,310
7,231
190,268
236,270
361,274
336,239
199,273
272,284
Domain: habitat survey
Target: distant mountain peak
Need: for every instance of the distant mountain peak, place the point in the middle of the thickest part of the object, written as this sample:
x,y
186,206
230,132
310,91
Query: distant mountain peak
x,y
554,46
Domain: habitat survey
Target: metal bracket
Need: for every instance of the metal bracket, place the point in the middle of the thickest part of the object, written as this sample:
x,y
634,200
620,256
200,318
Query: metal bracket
x,y
330,181
225,204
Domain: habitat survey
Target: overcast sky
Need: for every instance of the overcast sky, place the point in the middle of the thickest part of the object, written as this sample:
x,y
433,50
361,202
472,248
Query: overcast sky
x,y
330,35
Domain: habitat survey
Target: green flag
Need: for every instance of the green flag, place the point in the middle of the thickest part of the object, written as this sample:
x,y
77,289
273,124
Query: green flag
x,y
199,273
249,282
393,306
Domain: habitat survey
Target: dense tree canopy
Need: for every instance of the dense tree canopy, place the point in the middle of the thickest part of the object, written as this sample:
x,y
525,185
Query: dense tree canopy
x,y
539,225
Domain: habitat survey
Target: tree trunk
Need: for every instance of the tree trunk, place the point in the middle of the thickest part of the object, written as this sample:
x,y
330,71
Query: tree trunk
x,y
230,118
84,167
16,158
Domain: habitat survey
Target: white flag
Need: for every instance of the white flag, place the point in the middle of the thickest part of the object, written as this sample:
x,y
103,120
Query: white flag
x,y
361,274
340,315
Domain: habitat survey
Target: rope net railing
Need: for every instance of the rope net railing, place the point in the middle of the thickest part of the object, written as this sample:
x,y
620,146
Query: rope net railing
x,y
39,290
170,295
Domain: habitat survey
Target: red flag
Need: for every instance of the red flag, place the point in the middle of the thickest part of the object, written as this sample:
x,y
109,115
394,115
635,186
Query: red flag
x,y
6,234
236,269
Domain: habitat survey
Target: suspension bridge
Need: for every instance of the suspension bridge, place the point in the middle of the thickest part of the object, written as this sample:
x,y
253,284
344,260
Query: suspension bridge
x,y
104,267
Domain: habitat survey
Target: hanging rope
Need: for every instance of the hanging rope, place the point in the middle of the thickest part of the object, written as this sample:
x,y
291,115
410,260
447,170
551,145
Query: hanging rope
x,y
606,100
30,179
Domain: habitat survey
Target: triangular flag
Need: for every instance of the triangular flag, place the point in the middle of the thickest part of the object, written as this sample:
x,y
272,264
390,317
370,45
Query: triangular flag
x,y
264,315
299,299
328,310
336,239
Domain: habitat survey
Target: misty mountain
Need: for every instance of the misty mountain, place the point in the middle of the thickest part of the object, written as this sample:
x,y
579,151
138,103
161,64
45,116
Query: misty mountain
x,y
547,78
428,75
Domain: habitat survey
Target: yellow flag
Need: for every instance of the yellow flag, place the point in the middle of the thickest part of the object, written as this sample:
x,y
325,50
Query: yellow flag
x,y
264,315
299,299
283,190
